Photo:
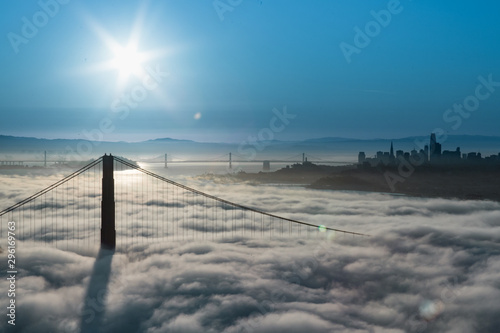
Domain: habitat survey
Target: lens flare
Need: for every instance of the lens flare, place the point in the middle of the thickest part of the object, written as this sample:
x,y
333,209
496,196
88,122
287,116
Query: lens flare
x,y
429,310
331,235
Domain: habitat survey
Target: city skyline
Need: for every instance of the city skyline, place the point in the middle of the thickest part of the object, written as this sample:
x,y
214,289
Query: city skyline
x,y
427,154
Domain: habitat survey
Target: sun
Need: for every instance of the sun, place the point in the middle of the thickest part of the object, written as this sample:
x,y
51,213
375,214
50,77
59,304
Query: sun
x,y
127,57
127,61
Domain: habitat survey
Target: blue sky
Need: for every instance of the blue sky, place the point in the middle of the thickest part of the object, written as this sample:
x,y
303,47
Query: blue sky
x,y
223,70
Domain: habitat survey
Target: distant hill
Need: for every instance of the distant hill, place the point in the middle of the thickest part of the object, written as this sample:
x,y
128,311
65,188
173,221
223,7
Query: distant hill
x,y
329,140
167,140
328,148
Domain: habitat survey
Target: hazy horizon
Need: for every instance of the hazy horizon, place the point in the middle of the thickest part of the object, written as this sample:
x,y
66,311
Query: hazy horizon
x,y
89,138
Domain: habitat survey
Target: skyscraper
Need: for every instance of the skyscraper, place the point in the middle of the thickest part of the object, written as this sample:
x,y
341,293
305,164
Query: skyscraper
x,y
435,147
361,157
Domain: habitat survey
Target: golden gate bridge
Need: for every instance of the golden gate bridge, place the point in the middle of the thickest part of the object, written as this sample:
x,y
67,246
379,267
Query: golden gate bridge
x,y
117,204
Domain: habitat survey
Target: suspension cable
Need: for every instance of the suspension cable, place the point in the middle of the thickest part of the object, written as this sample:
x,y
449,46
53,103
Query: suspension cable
x,y
51,187
232,203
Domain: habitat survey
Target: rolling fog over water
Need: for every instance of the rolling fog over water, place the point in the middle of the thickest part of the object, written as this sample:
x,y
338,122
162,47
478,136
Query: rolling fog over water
x,y
429,265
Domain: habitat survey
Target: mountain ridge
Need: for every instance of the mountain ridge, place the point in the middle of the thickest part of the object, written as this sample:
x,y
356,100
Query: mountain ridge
x,y
327,147
309,140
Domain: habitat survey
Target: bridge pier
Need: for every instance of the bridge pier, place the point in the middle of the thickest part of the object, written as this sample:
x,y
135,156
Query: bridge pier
x,y
108,232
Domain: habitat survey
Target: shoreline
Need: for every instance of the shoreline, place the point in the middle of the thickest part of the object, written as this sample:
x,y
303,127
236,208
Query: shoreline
x,y
455,182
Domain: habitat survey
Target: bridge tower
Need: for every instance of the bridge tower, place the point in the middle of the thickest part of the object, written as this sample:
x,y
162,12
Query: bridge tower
x,y
166,166
230,160
108,232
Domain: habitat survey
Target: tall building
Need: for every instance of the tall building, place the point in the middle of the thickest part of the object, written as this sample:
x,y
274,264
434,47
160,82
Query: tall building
x,y
433,143
361,157
392,150
435,147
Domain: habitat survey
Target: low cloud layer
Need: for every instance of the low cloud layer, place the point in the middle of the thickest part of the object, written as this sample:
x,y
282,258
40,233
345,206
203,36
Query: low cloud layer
x,y
430,265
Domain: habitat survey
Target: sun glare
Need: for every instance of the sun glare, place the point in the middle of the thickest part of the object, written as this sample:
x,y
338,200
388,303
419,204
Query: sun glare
x,y
126,58
127,61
